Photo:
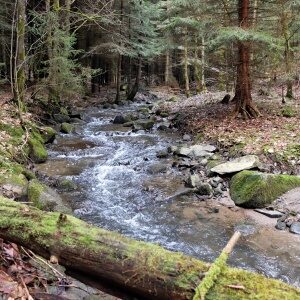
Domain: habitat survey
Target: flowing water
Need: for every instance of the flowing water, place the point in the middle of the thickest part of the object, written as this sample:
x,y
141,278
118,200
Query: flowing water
x,y
124,187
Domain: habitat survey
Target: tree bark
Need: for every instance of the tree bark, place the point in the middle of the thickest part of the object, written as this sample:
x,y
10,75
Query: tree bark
x,y
20,79
136,86
138,267
243,98
186,67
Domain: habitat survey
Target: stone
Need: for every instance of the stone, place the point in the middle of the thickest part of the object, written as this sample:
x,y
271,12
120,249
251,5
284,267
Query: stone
x,y
157,168
280,225
195,151
253,189
66,128
204,189
13,186
270,213
37,150
77,121
119,119
239,164
162,154
45,198
186,138
61,118
48,134
145,124
295,228
193,181
128,124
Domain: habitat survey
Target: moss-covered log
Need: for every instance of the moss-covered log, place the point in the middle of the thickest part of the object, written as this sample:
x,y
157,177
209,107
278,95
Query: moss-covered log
x,y
139,267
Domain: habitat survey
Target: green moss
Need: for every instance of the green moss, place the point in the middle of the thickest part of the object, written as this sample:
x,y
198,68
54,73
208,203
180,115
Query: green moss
x,y
17,179
37,150
35,190
253,189
288,112
66,128
14,131
199,137
48,134
141,263
211,277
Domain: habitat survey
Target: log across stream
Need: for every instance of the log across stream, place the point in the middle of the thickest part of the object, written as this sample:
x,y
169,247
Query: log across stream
x,y
142,268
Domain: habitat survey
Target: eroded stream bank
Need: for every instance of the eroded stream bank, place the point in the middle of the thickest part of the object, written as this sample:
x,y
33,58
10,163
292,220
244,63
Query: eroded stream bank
x,y
123,186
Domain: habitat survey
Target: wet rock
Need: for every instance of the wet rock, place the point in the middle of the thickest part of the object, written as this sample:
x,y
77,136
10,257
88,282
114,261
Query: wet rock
x,y
119,119
193,181
239,164
77,121
218,190
128,124
280,225
204,162
295,228
48,134
45,198
66,128
186,138
61,118
163,127
66,185
162,154
204,189
157,168
253,189
145,124
270,213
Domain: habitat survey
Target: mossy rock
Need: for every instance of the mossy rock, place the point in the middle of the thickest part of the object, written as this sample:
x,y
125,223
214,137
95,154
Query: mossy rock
x,y
48,134
66,185
13,185
37,150
66,128
146,124
45,198
253,189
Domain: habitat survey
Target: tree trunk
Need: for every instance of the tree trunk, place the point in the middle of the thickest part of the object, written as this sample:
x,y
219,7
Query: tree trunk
x,y
186,68
203,84
20,79
119,63
136,86
243,98
142,268
167,68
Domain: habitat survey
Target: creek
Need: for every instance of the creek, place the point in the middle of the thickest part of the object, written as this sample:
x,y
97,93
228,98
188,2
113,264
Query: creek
x,y
123,186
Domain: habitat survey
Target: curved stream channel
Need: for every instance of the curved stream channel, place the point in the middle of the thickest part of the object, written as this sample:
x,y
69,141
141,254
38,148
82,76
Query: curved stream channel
x,y
121,189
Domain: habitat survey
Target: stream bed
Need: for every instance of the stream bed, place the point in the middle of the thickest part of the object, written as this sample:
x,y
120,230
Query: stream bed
x,y
123,186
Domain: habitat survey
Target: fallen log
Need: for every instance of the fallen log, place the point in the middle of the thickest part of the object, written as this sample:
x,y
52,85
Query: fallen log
x,y
142,268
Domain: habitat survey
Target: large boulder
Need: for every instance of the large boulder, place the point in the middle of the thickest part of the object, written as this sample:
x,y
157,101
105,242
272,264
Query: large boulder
x,y
45,198
195,151
48,134
239,164
253,189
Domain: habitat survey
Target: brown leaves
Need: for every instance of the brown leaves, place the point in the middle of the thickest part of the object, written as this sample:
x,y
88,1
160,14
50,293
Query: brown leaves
x,y
19,278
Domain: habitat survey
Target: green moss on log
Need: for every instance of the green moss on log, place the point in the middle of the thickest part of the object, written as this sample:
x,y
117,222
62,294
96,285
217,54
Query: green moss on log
x,y
35,190
254,189
139,266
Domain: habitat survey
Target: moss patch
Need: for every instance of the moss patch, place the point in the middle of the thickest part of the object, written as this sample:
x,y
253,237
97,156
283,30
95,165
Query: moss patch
x,y
48,134
66,128
37,150
254,189
35,190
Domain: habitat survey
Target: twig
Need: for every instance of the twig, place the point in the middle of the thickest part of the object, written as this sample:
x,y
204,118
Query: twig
x,y
26,289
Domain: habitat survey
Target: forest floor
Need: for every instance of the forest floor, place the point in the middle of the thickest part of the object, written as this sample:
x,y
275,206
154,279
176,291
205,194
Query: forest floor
x,y
274,136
